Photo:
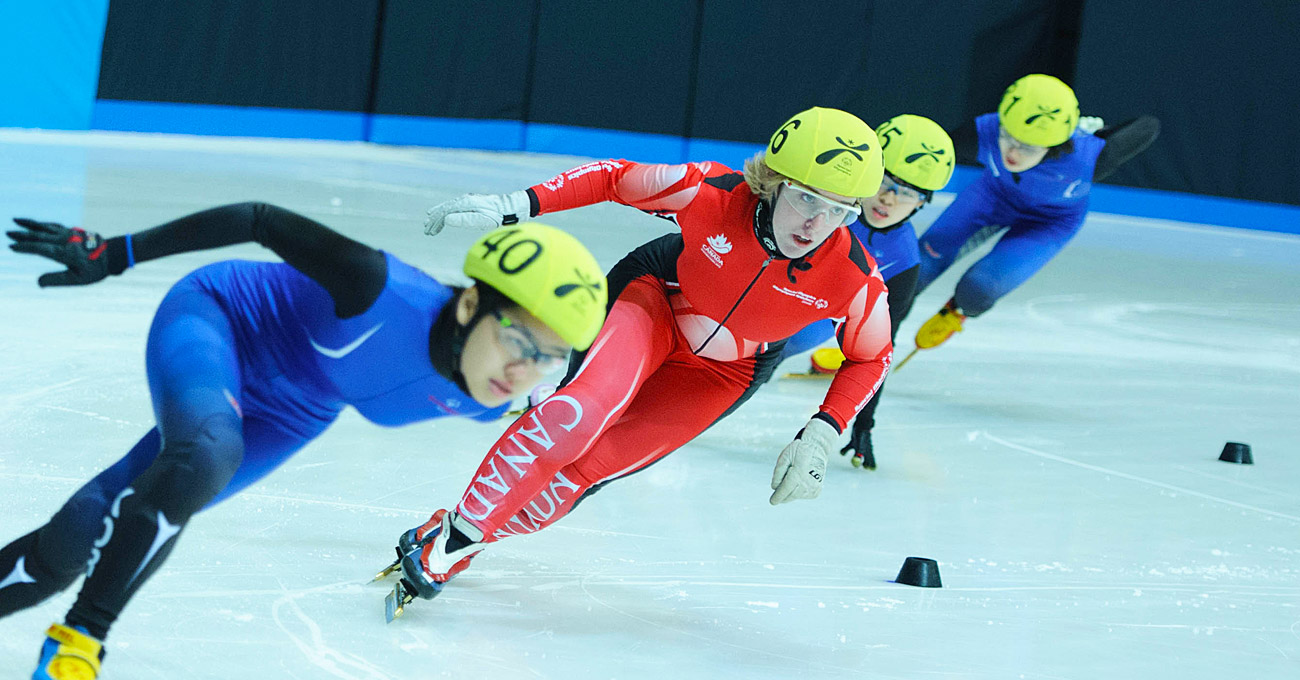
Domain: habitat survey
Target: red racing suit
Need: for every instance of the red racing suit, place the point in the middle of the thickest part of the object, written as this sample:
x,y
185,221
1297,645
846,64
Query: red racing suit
x,y
694,318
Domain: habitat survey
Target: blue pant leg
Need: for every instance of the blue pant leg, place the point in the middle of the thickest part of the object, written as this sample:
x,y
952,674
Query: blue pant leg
x,y
1019,254
975,208
46,561
79,522
811,336
72,530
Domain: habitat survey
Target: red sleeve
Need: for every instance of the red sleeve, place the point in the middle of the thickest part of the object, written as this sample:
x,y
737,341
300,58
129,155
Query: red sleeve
x,y
864,337
657,189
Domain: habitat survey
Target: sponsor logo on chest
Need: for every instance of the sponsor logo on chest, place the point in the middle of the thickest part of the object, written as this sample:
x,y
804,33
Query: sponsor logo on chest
x,y
810,300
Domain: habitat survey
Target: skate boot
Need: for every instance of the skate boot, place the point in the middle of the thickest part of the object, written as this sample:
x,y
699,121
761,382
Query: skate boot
x,y
860,444
863,456
69,654
412,540
826,361
822,364
938,328
446,543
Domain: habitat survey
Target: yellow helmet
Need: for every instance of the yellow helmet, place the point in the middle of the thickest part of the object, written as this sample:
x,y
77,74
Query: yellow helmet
x,y
1040,110
547,272
828,149
917,151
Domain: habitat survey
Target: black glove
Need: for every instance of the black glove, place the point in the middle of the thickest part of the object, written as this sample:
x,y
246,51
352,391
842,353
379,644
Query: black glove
x,y
860,445
84,253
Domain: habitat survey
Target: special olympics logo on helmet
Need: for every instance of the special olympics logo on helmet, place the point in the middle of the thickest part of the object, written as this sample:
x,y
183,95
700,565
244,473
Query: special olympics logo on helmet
x,y
928,152
1043,112
585,283
847,153
846,147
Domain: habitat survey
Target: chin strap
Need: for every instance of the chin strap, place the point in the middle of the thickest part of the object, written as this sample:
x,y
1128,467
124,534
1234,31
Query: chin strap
x,y
763,229
767,239
447,343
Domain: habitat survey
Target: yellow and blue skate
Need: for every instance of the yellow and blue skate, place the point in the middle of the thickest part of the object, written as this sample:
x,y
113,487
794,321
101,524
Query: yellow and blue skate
x,y
69,654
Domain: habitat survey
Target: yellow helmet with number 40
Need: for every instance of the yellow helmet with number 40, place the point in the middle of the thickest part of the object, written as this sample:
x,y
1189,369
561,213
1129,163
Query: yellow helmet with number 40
x,y
547,272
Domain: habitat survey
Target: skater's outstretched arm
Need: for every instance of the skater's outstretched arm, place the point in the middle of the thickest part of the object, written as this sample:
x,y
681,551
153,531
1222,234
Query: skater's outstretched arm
x,y
660,190
351,272
1123,142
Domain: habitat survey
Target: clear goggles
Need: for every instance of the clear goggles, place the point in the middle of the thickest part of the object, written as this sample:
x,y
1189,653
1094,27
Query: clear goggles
x,y
521,346
901,191
810,204
1017,145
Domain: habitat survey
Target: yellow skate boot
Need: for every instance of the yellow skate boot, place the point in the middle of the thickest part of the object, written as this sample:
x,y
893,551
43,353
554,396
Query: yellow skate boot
x,y
938,328
826,361
69,654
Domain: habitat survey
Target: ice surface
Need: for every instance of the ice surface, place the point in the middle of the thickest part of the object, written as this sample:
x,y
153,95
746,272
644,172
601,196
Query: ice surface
x,y
1059,460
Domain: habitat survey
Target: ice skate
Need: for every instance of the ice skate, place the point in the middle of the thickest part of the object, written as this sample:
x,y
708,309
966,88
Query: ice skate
x,y
69,654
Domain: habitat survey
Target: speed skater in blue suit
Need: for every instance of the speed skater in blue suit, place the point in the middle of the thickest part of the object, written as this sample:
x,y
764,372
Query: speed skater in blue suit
x,y
247,362
1039,162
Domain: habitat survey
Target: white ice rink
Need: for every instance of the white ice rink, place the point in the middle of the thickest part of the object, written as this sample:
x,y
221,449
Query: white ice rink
x,y
1059,460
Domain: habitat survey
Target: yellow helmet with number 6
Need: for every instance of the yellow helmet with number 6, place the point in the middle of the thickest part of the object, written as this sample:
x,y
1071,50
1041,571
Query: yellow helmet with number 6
x,y
917,151
1039,110
547,272
828,149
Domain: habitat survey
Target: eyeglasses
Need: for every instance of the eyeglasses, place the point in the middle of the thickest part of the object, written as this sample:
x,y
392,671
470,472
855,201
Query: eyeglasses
x,y
1016,144
809,204
902,191
522,346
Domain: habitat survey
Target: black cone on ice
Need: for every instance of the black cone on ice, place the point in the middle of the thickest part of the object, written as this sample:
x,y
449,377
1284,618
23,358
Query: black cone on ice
x,y
922,572
1234,452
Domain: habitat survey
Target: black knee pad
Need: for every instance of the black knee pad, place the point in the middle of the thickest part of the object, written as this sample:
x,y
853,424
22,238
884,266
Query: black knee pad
x,y
191,469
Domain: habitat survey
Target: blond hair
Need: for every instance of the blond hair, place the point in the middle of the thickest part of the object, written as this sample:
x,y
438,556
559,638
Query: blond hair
x,y
761,178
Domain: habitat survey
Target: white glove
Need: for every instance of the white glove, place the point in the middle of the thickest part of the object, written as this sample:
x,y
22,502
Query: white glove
x,y
478,211
802,464
1091,124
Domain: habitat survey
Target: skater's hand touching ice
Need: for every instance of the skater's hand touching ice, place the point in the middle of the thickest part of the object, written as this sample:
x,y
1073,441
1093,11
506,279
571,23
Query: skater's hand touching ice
x,y
802,465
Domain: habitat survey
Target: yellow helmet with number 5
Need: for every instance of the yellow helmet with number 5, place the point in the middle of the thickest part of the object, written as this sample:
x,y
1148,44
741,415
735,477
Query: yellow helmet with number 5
x,y
917,151
828,149
547,272
1039,110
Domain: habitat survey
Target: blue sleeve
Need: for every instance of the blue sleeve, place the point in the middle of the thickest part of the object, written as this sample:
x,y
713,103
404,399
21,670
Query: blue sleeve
x,y
811,336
